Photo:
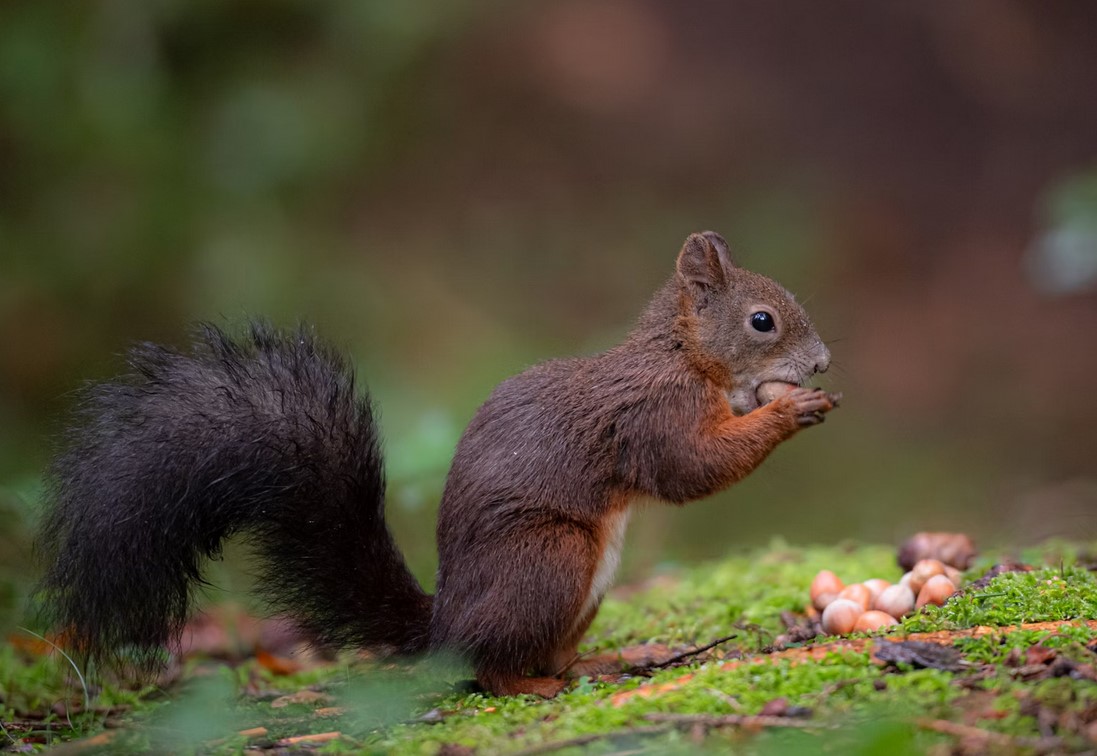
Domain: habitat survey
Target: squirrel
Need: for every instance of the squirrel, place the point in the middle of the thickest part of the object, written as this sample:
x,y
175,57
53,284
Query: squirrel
x,y
267,436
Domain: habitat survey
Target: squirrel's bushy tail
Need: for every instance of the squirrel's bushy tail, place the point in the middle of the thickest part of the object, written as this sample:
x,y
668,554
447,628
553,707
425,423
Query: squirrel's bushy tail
x,y
263,436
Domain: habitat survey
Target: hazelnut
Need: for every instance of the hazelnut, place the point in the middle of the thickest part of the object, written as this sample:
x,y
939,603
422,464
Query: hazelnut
x,y
923,571
859,593
936,591
826,582
955,549
771,390
876,586
873,620
840,617
954,575
896,600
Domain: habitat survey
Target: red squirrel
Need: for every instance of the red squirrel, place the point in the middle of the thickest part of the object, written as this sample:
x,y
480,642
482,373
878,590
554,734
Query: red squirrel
x,y
268,436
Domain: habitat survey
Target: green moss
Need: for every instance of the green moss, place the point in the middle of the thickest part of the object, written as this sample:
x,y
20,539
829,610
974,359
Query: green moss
x,y
1042,595
864,708
997,648
48,689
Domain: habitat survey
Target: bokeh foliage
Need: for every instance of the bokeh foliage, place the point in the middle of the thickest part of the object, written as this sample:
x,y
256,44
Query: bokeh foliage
x,y
455,191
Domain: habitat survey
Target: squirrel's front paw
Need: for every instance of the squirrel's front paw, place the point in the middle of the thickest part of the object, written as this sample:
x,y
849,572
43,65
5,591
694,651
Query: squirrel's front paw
x,y
810,405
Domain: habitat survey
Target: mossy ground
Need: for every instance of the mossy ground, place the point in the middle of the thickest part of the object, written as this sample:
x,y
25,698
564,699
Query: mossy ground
x,y
1015,689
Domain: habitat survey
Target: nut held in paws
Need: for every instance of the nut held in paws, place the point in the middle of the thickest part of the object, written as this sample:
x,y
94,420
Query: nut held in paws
x,y
771,390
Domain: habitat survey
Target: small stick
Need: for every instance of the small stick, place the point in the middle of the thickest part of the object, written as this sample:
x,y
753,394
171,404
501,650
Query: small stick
x,y
692,652
571,663
833,688
320,737
585,739
733,720
945,727
79,746
253,732
729,700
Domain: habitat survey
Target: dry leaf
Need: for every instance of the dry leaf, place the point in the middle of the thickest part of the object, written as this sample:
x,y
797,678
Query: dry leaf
x,y
279,665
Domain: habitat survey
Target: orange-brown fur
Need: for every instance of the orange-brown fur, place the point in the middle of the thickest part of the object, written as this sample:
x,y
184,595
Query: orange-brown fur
x,y
669,414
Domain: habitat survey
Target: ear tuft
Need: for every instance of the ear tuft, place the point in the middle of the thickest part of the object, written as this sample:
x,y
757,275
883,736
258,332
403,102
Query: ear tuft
x,y
703,266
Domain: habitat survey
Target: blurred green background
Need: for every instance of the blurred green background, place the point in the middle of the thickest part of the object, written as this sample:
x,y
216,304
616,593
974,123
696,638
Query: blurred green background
x,y
454,191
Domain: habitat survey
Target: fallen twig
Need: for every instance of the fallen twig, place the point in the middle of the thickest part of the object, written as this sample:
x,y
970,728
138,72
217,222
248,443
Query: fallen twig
x,y
253,732
834,687
1041,745
582,740
79,746
756,721
692,652
319,737
731,701
571,663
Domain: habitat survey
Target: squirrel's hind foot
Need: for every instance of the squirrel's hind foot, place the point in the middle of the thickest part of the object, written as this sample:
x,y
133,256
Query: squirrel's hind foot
x,y
513,685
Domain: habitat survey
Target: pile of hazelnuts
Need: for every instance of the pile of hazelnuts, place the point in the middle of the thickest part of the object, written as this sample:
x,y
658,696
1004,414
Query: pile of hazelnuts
x,y
934,564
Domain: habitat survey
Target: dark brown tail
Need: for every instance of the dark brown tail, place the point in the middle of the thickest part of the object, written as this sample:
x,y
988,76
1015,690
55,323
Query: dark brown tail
x,y
263,436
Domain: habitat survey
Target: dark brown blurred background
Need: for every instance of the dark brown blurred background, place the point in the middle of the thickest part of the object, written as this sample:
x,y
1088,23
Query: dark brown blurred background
x,y
454,191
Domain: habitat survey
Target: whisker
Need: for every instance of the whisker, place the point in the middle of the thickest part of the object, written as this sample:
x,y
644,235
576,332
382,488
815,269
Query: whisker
x,y
839,367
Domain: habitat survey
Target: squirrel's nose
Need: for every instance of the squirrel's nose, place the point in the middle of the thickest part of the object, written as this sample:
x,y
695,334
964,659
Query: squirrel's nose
x,y
822,360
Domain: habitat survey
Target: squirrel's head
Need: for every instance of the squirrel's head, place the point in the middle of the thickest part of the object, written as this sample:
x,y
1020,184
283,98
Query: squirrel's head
x,y
749,326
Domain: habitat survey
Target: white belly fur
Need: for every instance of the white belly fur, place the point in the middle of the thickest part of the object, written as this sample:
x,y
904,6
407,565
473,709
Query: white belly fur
x,y
615,526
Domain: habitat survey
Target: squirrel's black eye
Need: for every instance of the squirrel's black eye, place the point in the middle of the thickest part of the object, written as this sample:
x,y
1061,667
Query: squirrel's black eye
x,y
762,321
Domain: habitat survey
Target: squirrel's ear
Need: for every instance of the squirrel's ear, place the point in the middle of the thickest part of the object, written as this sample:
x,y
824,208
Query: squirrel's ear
x,y
703,265
721,246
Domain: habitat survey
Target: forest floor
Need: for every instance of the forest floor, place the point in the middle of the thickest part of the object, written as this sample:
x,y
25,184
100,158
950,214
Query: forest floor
x,y
1007,665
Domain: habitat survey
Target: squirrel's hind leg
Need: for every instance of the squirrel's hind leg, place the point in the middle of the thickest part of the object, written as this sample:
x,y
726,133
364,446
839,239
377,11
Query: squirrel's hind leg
x,y
516,606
